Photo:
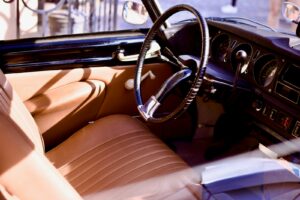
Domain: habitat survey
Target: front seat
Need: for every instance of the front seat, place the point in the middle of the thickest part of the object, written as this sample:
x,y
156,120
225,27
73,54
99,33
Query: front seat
x,y
116,157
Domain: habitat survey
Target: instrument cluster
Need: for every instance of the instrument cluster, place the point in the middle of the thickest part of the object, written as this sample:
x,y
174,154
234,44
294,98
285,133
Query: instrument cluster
x,y
273,78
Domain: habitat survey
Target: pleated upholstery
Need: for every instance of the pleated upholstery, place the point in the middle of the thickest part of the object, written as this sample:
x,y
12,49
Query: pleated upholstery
x,y
12,107
118,150
111,152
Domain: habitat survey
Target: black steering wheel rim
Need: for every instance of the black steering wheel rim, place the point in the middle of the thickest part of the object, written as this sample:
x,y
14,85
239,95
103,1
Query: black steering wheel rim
x,y
199,74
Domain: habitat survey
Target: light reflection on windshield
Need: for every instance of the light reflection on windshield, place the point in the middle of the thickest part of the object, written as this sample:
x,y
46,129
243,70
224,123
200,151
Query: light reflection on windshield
x,y
265,12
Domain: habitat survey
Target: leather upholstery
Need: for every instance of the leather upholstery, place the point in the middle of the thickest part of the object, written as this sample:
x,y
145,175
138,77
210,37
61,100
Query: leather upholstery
x,y
12,107
118,150
25,173
31,84
111,152
61,111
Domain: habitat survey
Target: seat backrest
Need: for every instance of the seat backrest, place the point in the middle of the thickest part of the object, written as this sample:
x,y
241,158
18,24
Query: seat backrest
x,y
12,107
25,172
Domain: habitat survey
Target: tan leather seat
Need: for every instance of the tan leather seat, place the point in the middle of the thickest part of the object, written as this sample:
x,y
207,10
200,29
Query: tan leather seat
x,y
115,157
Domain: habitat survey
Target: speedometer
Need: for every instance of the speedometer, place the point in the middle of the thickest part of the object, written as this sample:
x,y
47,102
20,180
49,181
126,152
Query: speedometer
x,y
267,73
265,70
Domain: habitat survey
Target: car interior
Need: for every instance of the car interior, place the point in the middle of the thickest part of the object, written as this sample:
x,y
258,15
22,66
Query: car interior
x,y
133,114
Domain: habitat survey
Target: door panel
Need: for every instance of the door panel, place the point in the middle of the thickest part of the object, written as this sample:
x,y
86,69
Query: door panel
x,y
61,111
117,98
30,84
62,101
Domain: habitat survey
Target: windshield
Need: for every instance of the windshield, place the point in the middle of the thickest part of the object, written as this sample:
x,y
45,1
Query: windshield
x,y
61,17
265,12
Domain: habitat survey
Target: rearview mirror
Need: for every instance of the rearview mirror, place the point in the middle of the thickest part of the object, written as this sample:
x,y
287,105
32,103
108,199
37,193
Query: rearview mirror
x,y
134,13
291,12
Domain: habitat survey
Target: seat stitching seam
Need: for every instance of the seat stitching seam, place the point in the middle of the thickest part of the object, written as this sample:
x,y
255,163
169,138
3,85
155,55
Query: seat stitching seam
x,y
105,157
179,165
124,164
151,170
104,167
82,156
98,181
99,145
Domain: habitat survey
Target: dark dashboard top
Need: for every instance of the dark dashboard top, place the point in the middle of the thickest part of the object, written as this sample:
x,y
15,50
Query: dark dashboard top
x,y
278,42
271,69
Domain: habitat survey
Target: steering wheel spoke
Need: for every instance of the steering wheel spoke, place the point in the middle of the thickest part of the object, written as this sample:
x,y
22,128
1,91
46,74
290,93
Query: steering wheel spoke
x,y
168,52
148,109
171,82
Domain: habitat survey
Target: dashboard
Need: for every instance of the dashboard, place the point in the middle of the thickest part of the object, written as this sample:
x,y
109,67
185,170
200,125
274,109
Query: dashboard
x,y
270,67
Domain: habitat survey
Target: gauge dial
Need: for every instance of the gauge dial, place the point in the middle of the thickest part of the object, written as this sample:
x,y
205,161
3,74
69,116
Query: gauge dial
x,y
265,70
267,73
220,46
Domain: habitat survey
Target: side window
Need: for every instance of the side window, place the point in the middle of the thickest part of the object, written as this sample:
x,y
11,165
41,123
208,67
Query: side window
x,y
23,19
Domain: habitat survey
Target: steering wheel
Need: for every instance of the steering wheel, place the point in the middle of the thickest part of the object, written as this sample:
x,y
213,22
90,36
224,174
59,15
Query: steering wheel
x,y
148,109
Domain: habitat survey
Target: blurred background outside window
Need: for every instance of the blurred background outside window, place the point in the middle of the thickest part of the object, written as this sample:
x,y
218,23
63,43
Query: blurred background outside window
x,y
32,18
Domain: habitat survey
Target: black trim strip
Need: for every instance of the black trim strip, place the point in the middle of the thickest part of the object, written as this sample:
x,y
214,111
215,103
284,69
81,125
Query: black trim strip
x,y
45,54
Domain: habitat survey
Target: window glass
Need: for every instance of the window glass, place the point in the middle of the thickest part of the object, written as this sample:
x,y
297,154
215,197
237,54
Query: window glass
x,y
23,19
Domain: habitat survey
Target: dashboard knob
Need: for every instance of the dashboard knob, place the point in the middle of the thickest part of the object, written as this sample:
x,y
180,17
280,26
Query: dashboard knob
x,y
258,105
241,57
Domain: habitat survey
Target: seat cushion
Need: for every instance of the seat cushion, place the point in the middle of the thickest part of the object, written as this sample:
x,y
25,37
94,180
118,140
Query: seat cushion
x,y
115,151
